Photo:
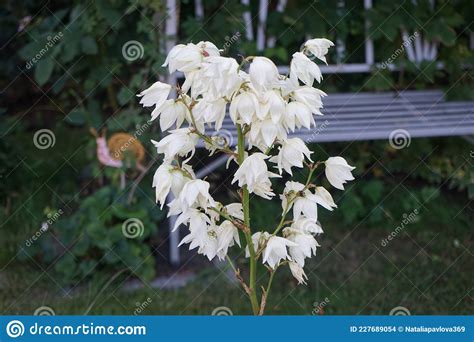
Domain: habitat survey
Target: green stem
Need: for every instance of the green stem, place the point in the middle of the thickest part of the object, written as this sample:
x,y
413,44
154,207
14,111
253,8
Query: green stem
x,y
231,263
248,234
269,286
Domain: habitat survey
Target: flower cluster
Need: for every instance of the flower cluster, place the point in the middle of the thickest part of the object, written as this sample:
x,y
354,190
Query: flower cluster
x,y
265,107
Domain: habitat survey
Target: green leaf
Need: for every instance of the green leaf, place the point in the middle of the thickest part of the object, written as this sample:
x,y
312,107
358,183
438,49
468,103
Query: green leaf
x,y
43,70
76,117
429,193
124,96
67,266
373,190
351,207
82,246
28,51
89,45
70,49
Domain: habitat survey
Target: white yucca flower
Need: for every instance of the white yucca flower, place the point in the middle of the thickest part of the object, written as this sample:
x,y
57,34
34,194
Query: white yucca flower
x,y
292,153
255,175
263,73
156,95
338,172
302,68
319,47
265,107
170,112
276,250
168,177
305,245
180,143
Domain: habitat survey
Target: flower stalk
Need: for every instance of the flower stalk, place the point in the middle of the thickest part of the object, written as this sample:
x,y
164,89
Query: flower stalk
x,y
248,235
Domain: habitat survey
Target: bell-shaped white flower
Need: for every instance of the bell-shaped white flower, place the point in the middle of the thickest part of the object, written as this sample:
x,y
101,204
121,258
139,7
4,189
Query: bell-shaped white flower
x,y
263,73
183,58
324,198
219,77
156,95
304,69
235,210
263,133
307,225
305,206
179,143
243,107
271,106
254,173
302,201
298,114
187,58
168,177
210,110
170,112
195,194
319,47
287,86
292,153
311,97
227,235
338,172
298,272
208,49
162,182
259,239
304,245
291,191
276,250
202,233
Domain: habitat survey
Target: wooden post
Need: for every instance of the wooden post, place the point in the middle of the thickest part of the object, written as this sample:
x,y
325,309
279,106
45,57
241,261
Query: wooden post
x,y
369,43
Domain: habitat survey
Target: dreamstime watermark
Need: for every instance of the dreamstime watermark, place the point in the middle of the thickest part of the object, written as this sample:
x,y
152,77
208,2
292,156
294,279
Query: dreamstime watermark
x,y
15,329
398,51
125,146
44,139
400,311
399,138
140,307
44,311
132,50
406,220
222,311
52,218
318,307
51,42
133,228
229,41
318,130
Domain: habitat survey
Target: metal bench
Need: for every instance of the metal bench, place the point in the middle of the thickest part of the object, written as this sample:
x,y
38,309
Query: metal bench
x,y
376,116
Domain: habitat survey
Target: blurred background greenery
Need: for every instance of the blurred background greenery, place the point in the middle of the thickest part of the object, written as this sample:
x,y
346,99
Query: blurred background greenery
x,y
81,81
